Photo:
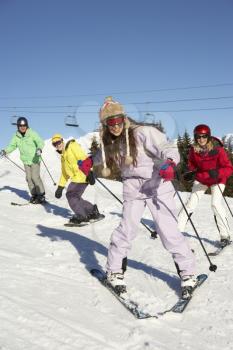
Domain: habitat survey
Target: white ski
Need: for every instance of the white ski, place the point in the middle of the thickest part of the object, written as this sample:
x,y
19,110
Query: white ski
x,y
130,305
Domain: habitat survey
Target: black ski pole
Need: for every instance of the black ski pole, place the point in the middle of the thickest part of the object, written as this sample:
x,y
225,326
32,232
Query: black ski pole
x,y
153,233
14,163
225,200
48,172
212,266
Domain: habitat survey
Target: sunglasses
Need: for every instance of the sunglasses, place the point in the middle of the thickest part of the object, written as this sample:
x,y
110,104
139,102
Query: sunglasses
x,y
204,136
22,125
115,121
57,143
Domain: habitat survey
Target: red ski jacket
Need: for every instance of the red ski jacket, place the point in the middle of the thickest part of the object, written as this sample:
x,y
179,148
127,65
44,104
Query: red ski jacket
x,y
202,162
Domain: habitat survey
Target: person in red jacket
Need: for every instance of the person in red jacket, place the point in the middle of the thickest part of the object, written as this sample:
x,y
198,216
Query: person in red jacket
x,y
209,165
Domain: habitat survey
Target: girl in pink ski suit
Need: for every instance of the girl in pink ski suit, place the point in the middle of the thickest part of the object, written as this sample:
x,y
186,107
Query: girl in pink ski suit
x,y
147,161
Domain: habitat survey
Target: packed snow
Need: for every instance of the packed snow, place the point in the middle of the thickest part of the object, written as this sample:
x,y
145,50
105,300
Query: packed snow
x,y
50,301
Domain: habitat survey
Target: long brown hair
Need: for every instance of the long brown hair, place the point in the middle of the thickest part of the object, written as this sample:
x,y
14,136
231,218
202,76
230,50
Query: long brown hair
x,y
115,147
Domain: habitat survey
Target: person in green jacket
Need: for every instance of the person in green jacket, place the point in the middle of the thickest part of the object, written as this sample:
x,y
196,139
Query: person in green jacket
x,y
30,147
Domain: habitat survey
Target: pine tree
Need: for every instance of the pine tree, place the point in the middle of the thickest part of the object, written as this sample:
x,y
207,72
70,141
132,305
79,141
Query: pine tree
x,y
180,144
187,142
159,126
183,143
229,185
224,141
94,146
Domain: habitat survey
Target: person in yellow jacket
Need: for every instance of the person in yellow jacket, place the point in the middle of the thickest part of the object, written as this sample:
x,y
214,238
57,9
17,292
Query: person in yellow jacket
x,y
76,167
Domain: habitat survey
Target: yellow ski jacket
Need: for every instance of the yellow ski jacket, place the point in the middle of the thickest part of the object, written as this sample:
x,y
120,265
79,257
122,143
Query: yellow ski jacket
x,y
69,168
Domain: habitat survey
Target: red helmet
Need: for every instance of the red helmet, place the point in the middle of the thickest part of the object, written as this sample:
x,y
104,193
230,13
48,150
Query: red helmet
x,y
202,129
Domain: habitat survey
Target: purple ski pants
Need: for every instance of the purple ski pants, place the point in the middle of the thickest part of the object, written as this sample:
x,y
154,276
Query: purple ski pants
x,y
164,213
74,194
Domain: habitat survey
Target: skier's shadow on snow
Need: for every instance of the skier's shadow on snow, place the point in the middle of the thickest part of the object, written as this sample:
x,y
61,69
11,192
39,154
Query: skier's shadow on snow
x,y
87,248
207,240
56,210
21,193
49,207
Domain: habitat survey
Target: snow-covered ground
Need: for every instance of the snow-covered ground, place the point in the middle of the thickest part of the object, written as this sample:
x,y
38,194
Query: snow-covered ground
x,y
49,300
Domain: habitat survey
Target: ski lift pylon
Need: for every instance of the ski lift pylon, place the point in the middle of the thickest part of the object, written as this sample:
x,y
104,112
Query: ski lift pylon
x,y
71,121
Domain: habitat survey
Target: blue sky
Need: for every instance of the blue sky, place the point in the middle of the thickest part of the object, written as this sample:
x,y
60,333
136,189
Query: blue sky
x,y
61,57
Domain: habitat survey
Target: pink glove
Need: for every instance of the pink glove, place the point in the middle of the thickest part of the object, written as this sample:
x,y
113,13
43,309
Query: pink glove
x,y
85,165
167,170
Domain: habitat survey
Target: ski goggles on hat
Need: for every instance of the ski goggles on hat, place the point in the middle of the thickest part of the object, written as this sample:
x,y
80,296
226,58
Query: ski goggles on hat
x,y
116,120
201,136
57,143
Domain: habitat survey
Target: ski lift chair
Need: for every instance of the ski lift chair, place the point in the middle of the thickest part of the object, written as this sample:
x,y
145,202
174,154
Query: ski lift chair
x,y
71,121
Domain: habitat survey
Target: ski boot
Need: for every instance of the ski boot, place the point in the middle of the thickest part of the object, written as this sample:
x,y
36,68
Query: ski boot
x,y
188,284
116,282
78,220
32,200
224,242
40,199
95,215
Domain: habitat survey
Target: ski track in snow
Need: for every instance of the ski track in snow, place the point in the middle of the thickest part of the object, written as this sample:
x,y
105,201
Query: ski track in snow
x,y
50,301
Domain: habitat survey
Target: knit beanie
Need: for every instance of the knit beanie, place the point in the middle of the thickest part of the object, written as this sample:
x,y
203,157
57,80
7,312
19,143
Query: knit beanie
x,y
113,109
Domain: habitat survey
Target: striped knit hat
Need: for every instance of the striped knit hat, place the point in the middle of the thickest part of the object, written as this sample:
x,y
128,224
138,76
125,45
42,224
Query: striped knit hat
x,y
113,109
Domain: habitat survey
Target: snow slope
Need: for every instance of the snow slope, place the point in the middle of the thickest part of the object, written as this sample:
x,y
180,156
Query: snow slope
x,y
50,301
